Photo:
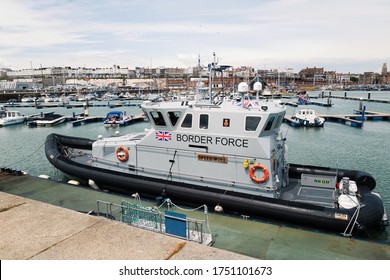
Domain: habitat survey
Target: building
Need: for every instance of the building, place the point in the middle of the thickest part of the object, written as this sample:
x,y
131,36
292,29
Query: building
x,y
385,74
313,75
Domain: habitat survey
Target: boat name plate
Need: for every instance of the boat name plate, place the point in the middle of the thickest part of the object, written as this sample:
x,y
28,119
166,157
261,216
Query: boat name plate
x,y
218,159
341,216
318,181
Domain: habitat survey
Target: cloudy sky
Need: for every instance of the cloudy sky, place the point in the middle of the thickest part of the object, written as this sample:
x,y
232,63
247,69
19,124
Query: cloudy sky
x,y
341,35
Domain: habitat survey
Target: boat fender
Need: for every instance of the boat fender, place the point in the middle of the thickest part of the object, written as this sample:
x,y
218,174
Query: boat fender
x,y
254,178
92,184
122,154
43,176
73,182
218,209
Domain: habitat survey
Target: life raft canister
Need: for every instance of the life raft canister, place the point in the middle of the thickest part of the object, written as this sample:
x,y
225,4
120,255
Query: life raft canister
x,y
254,178
122,154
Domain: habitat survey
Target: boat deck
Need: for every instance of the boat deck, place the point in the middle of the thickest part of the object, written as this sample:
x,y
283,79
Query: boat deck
x,y
310,194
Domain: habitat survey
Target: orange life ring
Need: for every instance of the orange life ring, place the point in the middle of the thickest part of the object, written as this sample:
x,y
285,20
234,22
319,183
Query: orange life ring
x,y
122,154
252,173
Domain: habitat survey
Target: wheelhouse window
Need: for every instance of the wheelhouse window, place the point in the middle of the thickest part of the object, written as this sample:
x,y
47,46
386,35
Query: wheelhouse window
x,y
269,123
157,118
279,121
204,121
251,123
174,117
187,122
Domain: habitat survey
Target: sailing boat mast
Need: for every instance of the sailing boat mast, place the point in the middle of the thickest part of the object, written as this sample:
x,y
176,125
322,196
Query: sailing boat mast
x,y
199,81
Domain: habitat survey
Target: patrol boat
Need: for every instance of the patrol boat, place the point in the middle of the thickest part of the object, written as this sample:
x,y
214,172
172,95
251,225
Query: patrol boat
x,y
227,154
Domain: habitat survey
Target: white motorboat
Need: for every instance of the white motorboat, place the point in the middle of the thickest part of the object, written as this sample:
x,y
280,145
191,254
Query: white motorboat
x,y
116,118
27,98
10,117
308,117
47,120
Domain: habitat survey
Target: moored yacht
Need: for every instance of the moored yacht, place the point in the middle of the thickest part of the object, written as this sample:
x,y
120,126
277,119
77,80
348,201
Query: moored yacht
x,y
225,154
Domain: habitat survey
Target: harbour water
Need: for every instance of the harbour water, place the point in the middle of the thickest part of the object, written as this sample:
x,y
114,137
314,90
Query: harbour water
x,y
334,145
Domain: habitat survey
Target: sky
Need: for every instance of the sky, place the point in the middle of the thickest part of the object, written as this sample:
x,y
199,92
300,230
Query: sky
x,y
341,35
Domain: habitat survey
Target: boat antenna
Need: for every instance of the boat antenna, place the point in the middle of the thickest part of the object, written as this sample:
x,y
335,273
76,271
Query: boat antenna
x,y
212,67
288,127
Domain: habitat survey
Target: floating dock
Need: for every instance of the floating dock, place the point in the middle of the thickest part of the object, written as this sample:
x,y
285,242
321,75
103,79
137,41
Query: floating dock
x,y
40,221
343,119
70,105
309,102
368,99
371,115
354,120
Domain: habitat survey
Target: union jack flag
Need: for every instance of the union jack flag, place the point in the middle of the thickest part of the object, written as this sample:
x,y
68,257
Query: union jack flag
x,y
163,136
250,104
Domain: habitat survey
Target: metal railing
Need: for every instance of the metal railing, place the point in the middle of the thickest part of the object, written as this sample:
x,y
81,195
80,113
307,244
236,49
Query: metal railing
x,y
152,219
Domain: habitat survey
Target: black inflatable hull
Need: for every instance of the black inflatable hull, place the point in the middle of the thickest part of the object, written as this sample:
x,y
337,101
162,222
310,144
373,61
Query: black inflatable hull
x,y
289,211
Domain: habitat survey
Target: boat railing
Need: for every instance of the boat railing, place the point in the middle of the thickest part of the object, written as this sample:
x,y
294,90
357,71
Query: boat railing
x,y
348,230
182,176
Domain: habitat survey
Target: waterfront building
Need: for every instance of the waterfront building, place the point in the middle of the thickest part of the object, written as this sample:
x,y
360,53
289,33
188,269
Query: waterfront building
x,y
180,78
385,74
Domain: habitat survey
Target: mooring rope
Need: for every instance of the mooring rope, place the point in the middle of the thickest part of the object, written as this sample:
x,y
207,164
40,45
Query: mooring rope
x,y
28,156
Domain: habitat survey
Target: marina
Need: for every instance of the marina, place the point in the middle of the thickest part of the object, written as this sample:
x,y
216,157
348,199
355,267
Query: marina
x,y
372,128
151,139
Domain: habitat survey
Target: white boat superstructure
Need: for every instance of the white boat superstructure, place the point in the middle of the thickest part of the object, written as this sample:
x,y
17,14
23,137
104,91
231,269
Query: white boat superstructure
x,y
210,143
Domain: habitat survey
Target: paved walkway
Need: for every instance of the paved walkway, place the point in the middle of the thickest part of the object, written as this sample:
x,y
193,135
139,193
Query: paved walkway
x,y
35,230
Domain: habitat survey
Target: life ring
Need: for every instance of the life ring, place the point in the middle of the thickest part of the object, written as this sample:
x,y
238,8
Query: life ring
x,y
252,173
122,154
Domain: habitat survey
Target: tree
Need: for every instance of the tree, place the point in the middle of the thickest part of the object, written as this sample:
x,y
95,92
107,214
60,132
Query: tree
x,y
354,79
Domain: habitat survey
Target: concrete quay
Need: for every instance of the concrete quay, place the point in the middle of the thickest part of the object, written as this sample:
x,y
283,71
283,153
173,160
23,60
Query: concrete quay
x,y
33,230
